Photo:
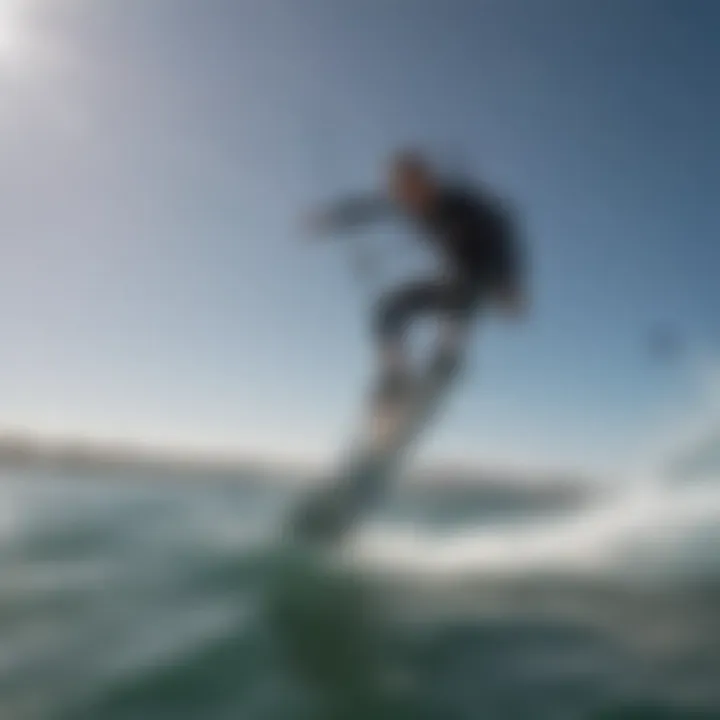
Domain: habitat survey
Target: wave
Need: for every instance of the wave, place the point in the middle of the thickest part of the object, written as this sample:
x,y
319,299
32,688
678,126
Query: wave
x,y
646,528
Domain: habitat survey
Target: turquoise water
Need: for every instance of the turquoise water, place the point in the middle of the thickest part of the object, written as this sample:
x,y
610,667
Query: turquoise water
x,y
141,598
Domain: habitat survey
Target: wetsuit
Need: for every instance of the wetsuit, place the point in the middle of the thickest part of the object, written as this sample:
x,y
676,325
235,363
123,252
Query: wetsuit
x,y
476,237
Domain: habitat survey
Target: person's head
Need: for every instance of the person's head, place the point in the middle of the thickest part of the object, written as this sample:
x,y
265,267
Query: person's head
x,y
412,183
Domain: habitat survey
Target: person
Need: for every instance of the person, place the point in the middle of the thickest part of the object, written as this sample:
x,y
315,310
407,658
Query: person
x,y
478,243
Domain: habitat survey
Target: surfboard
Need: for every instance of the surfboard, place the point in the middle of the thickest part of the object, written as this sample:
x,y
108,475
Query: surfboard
x,y
388,433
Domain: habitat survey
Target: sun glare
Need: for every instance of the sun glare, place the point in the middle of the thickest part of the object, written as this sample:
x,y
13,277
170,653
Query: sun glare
x,y
12,35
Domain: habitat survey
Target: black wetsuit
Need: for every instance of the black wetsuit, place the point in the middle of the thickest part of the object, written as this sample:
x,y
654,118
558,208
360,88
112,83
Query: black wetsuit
x,y
475,235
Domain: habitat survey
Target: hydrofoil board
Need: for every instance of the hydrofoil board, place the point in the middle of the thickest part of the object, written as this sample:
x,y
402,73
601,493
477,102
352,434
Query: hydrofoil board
x,y
389,432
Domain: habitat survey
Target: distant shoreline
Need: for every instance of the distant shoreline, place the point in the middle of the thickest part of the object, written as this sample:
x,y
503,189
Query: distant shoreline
x,y
82,457
24,450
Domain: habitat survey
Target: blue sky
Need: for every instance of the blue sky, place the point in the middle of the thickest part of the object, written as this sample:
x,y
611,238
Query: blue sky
x,y
157,158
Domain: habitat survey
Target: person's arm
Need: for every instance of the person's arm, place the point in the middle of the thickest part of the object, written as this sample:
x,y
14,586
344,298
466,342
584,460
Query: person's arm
x,y
350,213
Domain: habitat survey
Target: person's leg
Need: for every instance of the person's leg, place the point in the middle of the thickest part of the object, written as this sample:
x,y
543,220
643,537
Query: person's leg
x,y
447,357
395,311
460,302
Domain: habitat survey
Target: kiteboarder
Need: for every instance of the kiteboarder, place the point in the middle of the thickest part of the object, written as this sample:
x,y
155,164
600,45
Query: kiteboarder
x,y
481,264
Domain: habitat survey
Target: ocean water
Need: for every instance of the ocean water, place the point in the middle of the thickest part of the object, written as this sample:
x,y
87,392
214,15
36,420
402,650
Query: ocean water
x,y
147,598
